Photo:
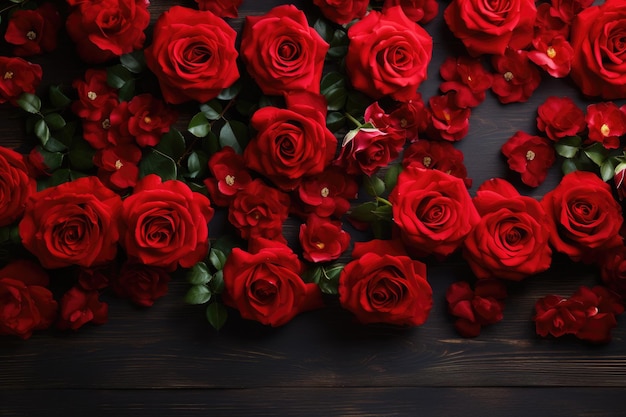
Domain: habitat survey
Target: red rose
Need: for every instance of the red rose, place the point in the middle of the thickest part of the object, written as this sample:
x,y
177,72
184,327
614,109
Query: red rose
x,y
448,121
17,76
388,55
511,240
517,77
33,31
606,123
440,155
322,239
259,211
74,223
468,78
230,175
476,308
104,29
529,155
265,285
599,66
488,27
384,285
410,117
79,307
548,23
618,179
142,284
27,304
584,217
420,11
290,144
433,210
97,277
192,54
560,117
281,52
165,224
16,186
367,149
145,118
342,11
221,8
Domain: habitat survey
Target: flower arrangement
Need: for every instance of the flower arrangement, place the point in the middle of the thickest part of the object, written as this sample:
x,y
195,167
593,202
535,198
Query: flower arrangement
x,y
314,118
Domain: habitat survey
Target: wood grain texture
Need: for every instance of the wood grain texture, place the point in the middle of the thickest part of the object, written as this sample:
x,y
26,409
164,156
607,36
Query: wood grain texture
x,y
166,360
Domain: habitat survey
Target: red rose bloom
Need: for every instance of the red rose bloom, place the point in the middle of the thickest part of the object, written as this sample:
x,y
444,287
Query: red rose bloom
x,y
148,119
289,144
529,155
16,186
342,11
33,31
488,27
142,284
327,194
468,78
322,240
229,176
559,117
17,76
259,211
104,29
74,223
448,121
606,123
221,8
79,307
420,11
599,66
409,117
584,217
600,306
265,285
165,224
548,24
476,308
282,53
366,149
516,79
567,10
97,277
440,155
25,302
433,210
384,285
511,240
192,54
388,55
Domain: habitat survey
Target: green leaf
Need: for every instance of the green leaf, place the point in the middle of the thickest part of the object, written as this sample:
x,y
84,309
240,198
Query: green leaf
x,y
217,258
231,92
52,160
607,169
338,45
324,29
53,145
217,282
363,212
575,141
597,153
210,143
235,135
29,102
225,244
42,131
199,274
134,62
199,125
198,294
373,185
217,315
583,163
117,76
357,103
193,165
391,176
66,134
127,91
333,87
155,162
55,121
58,177
329,284
57,98
81,155
335,121
566,151
212,110
313,274
172,144
568,166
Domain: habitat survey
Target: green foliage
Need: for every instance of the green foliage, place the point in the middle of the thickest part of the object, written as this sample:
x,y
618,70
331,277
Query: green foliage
x,y
333,87
199,125
198,294
325,276
568,147
134,62
29,102
373,185
216,315
155,162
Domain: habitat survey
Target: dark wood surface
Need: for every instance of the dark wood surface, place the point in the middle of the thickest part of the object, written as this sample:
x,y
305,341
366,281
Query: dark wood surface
x,y
167,361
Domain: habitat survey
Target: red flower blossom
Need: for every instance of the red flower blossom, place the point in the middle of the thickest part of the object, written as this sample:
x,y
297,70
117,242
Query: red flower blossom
x,y
95,97
554,55
600,306
118,166
410,117
327,194
558,316
548,23
559,117
322,240
440,155
476,308
221,8
529,155
79,307
467,77
17,76
516,77
613,270
142,284
148,119
448,121
367,149
566,10
342,11
421,11
97,277
606,123
229,176
33,31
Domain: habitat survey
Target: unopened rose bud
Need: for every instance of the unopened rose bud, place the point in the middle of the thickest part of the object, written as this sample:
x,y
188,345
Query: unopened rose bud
x,y
620,174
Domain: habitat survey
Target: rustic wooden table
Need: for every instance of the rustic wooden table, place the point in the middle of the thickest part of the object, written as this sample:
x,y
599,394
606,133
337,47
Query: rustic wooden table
x,y
167,361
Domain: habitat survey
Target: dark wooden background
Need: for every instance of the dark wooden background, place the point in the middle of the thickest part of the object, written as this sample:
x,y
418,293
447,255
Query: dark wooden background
x,y
167,361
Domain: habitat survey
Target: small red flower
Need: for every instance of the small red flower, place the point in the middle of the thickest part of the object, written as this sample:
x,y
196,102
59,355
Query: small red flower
x,y
142,284
554,55
17,76
559,117
79,307
568,9
606,123
516,77
94,95
558,316
327,194
549,23
421,11
322,239
613,270
467,77
411,117
221,8
600,305
148,119
448,121
229,176
476,308
118,166
440,155
367,149
33,31
529,155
